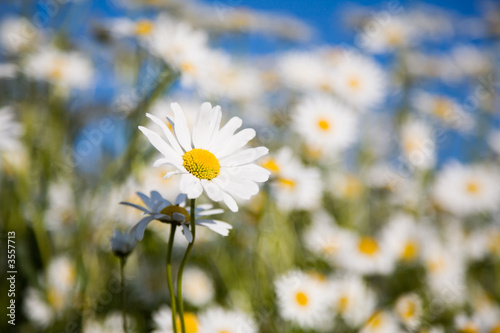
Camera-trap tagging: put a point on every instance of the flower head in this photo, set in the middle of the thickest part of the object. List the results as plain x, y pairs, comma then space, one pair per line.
209, 158
122, 243
164, 211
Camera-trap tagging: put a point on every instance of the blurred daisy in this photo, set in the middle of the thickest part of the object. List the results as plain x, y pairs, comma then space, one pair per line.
111, 324
122, 243
403, 237
382, 35
304, 71
65, 69
346, 186
302, 300
17, 34
464, 190
417, 143
494, 141
381, 322
162, 210
10, 130
163, 321
208, 158
293, 185
466, 324
323, 237
409, 310
353, 300
367, 255
359, 81
325, 124
60, 213
444, 109
198, 288
217, 320
125, 27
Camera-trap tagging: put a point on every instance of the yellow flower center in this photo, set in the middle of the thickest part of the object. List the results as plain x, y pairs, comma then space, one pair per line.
286, 182
201, 163
409, 310
324, 125
301, 298
190, 322
271, 165
368, 246
354, 83
376, 320
442, 108
55, 298
469, 328
343, 303
188, 67
170, 210
410, 251
496, 329
473, 187
143, 27
352, 187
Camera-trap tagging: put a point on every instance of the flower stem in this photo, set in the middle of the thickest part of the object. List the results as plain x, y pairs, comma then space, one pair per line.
122, 275
183, 264
169, 276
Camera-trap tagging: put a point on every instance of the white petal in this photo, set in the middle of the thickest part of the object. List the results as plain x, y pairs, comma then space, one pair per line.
235, 142
187, 182
138, 230
249, 171
172, 173
161, 161
200, 130
214, 126
245, 156
225, 133
242, 188
164, 148
187, 233
170, 137
212, 190
219, 227
180, 127
211, 212
230, 202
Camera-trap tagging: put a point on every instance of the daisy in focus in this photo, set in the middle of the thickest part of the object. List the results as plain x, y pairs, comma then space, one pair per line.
162, 210
209, 158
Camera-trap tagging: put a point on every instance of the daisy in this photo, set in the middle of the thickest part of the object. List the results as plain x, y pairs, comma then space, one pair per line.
418, 145
198, 287
466, 324
381, 35
60, 212
210, 158
323, 237
111, 324
303, 300
217, 320
10, 130
409, 310
359, 81
381, 322
122, 243
464, 190
65, 69
163, 321
162, 210
304, 71
402, 236
325, 124
346, 186
353, 300
17, 34
125, 27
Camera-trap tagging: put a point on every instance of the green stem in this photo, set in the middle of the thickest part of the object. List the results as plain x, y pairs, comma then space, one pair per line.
183, 264
122, 275
169, 276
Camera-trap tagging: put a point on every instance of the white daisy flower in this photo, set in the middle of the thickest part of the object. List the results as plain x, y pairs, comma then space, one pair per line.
163, 321
111, 324
208, 158
464, 190
125, 27
346, 186
359, 81
304, 71
61, 274
198, 287
17, 34
10, 130
65, 69
60, 212
36, 309
216, 320
323, 237
403, 237
162, 210
381, 35
303, 300
325, 124
418, 145
381, 322
409, 310
367, 255
466, 324
353, 300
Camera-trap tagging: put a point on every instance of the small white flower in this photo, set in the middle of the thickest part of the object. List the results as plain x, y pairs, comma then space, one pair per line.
10, 130
409, 310
381, 322
216, 320
417, 143
198, 288
210, 159
163, 321
162, 210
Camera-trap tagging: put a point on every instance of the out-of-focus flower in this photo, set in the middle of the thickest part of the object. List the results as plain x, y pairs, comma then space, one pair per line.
494, 141
381, 322
17, 34
323, 237
471, 60
353, 300
10, 130
8, 70
293, 185
122, 243
198, 288
304, 71
163, 321
359, 81
382, 35
464, 190
466, 324
346, 186
409, 310
125, 27
111, 324
67, 70
403, 237
210, 159
60, 212
325, 124
303, 300
417, 143
215, 320
162, 210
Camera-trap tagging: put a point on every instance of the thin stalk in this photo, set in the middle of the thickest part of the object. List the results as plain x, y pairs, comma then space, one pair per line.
122, 275
183, 264
169, 276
